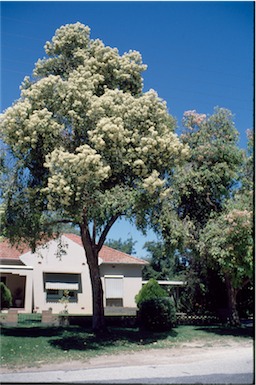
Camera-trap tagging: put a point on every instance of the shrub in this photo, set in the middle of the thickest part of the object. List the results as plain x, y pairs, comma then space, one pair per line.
158, 314
151, 290
6, 296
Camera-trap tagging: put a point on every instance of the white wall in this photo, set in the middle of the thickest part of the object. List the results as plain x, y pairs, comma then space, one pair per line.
132, 280
72, 260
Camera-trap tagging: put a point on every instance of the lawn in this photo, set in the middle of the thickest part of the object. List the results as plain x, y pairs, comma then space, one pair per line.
26, 346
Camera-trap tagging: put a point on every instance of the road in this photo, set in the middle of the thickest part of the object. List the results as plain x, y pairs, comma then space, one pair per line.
228, 366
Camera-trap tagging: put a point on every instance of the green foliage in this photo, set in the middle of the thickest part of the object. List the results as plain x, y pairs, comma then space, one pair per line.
151, 290
246, 301
205, 291
199, 188
66, 228
227, 241
161, 263
200, 191
247, 170
124, 246
203, 184
6, 296
157, 314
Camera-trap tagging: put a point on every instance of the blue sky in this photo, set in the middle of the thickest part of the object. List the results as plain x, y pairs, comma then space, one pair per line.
199, 54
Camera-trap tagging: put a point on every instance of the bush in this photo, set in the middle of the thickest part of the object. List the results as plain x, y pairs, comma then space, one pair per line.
6, 296
158, 314
151, 290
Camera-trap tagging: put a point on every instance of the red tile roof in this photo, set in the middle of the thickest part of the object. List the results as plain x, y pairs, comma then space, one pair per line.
107, 254
7, 251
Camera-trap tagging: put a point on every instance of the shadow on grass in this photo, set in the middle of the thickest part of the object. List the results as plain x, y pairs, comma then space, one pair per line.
31, 331
247, 332
112, 338
78, 338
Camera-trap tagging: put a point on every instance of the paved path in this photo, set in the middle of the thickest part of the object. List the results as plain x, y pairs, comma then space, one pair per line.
232, 366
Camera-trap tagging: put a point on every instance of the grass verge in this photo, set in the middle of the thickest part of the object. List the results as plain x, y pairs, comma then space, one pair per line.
26, 346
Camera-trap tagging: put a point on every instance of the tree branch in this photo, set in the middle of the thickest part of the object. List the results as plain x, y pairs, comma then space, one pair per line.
94, 232
85, 233
106, 230
208, 200
246, 281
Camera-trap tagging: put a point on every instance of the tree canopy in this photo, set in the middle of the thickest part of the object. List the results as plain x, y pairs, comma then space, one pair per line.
210, 174
85, 135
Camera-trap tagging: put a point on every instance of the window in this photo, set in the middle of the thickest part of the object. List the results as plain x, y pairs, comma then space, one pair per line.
114, 290
58, 285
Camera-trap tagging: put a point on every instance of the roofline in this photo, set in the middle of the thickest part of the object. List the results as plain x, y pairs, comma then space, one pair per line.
126, 254
124, 263
15, 267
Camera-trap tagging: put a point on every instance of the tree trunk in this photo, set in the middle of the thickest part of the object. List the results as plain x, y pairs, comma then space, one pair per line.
232, 305
91, 251
98, 320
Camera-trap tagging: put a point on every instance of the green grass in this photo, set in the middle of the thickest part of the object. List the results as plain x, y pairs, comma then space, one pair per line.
36, 345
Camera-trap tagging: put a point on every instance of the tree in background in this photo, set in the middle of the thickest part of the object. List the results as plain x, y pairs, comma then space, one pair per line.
227, 240
160, 266
163, 263
200, 188
227, 243
89, 146
209, 176
124, 246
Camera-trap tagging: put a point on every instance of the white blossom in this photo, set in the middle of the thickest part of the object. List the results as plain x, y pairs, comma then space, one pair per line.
91, 120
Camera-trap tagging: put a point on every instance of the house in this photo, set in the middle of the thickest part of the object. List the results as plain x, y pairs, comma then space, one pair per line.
38, 281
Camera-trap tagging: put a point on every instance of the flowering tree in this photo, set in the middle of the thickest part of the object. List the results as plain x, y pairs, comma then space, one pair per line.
89, 145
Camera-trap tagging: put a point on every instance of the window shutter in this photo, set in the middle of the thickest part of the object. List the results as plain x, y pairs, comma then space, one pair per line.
114, 287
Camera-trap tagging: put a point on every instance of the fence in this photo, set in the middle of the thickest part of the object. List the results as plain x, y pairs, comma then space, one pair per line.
192, 319
126, 319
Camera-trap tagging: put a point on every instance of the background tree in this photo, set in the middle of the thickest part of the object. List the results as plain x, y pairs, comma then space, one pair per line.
124, 246
227, 241
209, 176
89, 146
199, 188
164, 263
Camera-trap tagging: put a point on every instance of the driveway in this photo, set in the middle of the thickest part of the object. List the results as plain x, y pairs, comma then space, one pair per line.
188, 364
